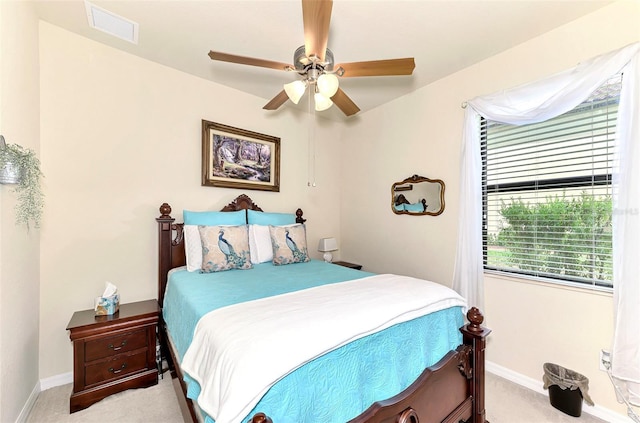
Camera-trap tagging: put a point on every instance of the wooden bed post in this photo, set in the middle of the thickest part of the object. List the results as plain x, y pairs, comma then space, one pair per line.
474, 335
165, 233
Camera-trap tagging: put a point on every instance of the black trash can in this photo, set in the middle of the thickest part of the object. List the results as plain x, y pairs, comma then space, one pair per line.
567, 389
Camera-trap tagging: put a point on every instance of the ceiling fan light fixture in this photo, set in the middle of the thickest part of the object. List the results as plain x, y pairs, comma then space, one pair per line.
328, 84
295, 90
322, 102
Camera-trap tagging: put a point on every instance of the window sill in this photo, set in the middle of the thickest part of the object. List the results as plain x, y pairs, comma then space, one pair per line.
551, 283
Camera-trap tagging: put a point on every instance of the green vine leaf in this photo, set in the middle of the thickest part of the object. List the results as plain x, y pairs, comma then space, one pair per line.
30, 202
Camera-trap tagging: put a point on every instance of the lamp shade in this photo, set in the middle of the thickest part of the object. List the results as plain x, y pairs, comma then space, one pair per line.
295, 90
322, 102
327, 244
327, 84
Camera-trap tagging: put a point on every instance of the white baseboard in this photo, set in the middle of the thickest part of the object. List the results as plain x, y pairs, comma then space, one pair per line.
58, 380
42, 385
537, 386
28, 406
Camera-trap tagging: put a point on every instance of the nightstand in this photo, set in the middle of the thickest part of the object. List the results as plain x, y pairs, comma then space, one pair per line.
113, 353
349, 265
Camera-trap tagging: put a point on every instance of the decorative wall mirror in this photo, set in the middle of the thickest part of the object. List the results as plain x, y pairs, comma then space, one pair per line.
418, 196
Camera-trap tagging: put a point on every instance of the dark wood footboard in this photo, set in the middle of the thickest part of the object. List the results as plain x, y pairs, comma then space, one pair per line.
451, 391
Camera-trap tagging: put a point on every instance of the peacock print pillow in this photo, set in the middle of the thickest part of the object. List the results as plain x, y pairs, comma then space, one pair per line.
289, 244
224, 248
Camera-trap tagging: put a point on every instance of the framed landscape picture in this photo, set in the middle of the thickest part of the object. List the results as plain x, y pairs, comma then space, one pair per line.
238, 158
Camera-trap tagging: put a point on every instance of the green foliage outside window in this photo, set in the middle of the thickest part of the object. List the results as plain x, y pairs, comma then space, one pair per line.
561, 236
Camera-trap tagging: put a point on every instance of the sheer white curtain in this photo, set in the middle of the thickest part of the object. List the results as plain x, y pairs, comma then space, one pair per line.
625, 352
539, 101
468, 275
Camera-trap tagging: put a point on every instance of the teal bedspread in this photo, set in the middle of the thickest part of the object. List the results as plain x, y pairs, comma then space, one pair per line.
337, 386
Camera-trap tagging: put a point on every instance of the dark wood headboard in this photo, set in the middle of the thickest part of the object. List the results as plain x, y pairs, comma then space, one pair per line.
171, 238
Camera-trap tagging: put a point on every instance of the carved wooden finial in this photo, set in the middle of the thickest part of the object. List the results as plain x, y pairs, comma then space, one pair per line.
260, 418
165, 211
475, 319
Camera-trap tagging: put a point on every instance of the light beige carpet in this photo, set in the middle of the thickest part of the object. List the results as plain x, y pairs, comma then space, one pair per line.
506, 402
156, 404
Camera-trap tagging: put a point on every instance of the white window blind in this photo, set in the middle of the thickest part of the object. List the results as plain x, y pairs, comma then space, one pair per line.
547, 193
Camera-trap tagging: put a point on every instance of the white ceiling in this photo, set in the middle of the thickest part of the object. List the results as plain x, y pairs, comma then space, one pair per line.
443, 36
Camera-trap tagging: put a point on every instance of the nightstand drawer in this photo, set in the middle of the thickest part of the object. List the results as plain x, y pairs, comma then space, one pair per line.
105, 347
120, 366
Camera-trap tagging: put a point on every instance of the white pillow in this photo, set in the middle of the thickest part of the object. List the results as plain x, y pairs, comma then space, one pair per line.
260, 243
192, 247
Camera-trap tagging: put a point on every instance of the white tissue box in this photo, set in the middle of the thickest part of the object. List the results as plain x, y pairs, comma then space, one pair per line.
106, 306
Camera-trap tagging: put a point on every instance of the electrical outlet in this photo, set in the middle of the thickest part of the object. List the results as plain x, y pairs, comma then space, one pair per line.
605, 360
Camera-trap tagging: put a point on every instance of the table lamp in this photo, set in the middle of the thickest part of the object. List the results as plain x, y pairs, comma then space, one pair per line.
326, 246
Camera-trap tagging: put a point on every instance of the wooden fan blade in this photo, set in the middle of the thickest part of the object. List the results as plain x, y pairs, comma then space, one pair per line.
232, 58
316, 16
378, 67
345, 104
277, 101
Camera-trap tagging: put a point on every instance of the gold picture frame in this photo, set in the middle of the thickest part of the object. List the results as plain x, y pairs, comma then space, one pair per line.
238, 158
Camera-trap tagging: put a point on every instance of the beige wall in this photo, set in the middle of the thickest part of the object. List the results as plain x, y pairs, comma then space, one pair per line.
421, 134
122, 135
19, 249
107, 126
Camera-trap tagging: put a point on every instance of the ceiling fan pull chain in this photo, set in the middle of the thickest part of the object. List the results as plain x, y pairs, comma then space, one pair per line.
311, 139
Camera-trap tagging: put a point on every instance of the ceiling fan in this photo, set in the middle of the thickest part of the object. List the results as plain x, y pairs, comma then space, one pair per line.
315, 64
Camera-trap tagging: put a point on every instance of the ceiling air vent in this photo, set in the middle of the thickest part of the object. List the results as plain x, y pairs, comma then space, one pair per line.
112, 24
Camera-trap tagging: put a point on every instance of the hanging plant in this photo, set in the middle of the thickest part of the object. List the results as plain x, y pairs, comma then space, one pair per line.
21, 166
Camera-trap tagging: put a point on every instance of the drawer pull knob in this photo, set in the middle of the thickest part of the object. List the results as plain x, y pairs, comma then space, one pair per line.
116, 371
119, 347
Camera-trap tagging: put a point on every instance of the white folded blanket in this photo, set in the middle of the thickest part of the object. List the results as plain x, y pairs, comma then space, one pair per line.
238, 352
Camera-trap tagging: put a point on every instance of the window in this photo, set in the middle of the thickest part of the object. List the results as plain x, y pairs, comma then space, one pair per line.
547, 193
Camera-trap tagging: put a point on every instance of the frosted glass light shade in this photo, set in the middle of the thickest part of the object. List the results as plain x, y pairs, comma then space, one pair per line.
322, 102
327, 84
326, 245
295, 90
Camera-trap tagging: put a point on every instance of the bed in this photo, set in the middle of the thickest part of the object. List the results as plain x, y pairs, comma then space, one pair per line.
384, 381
